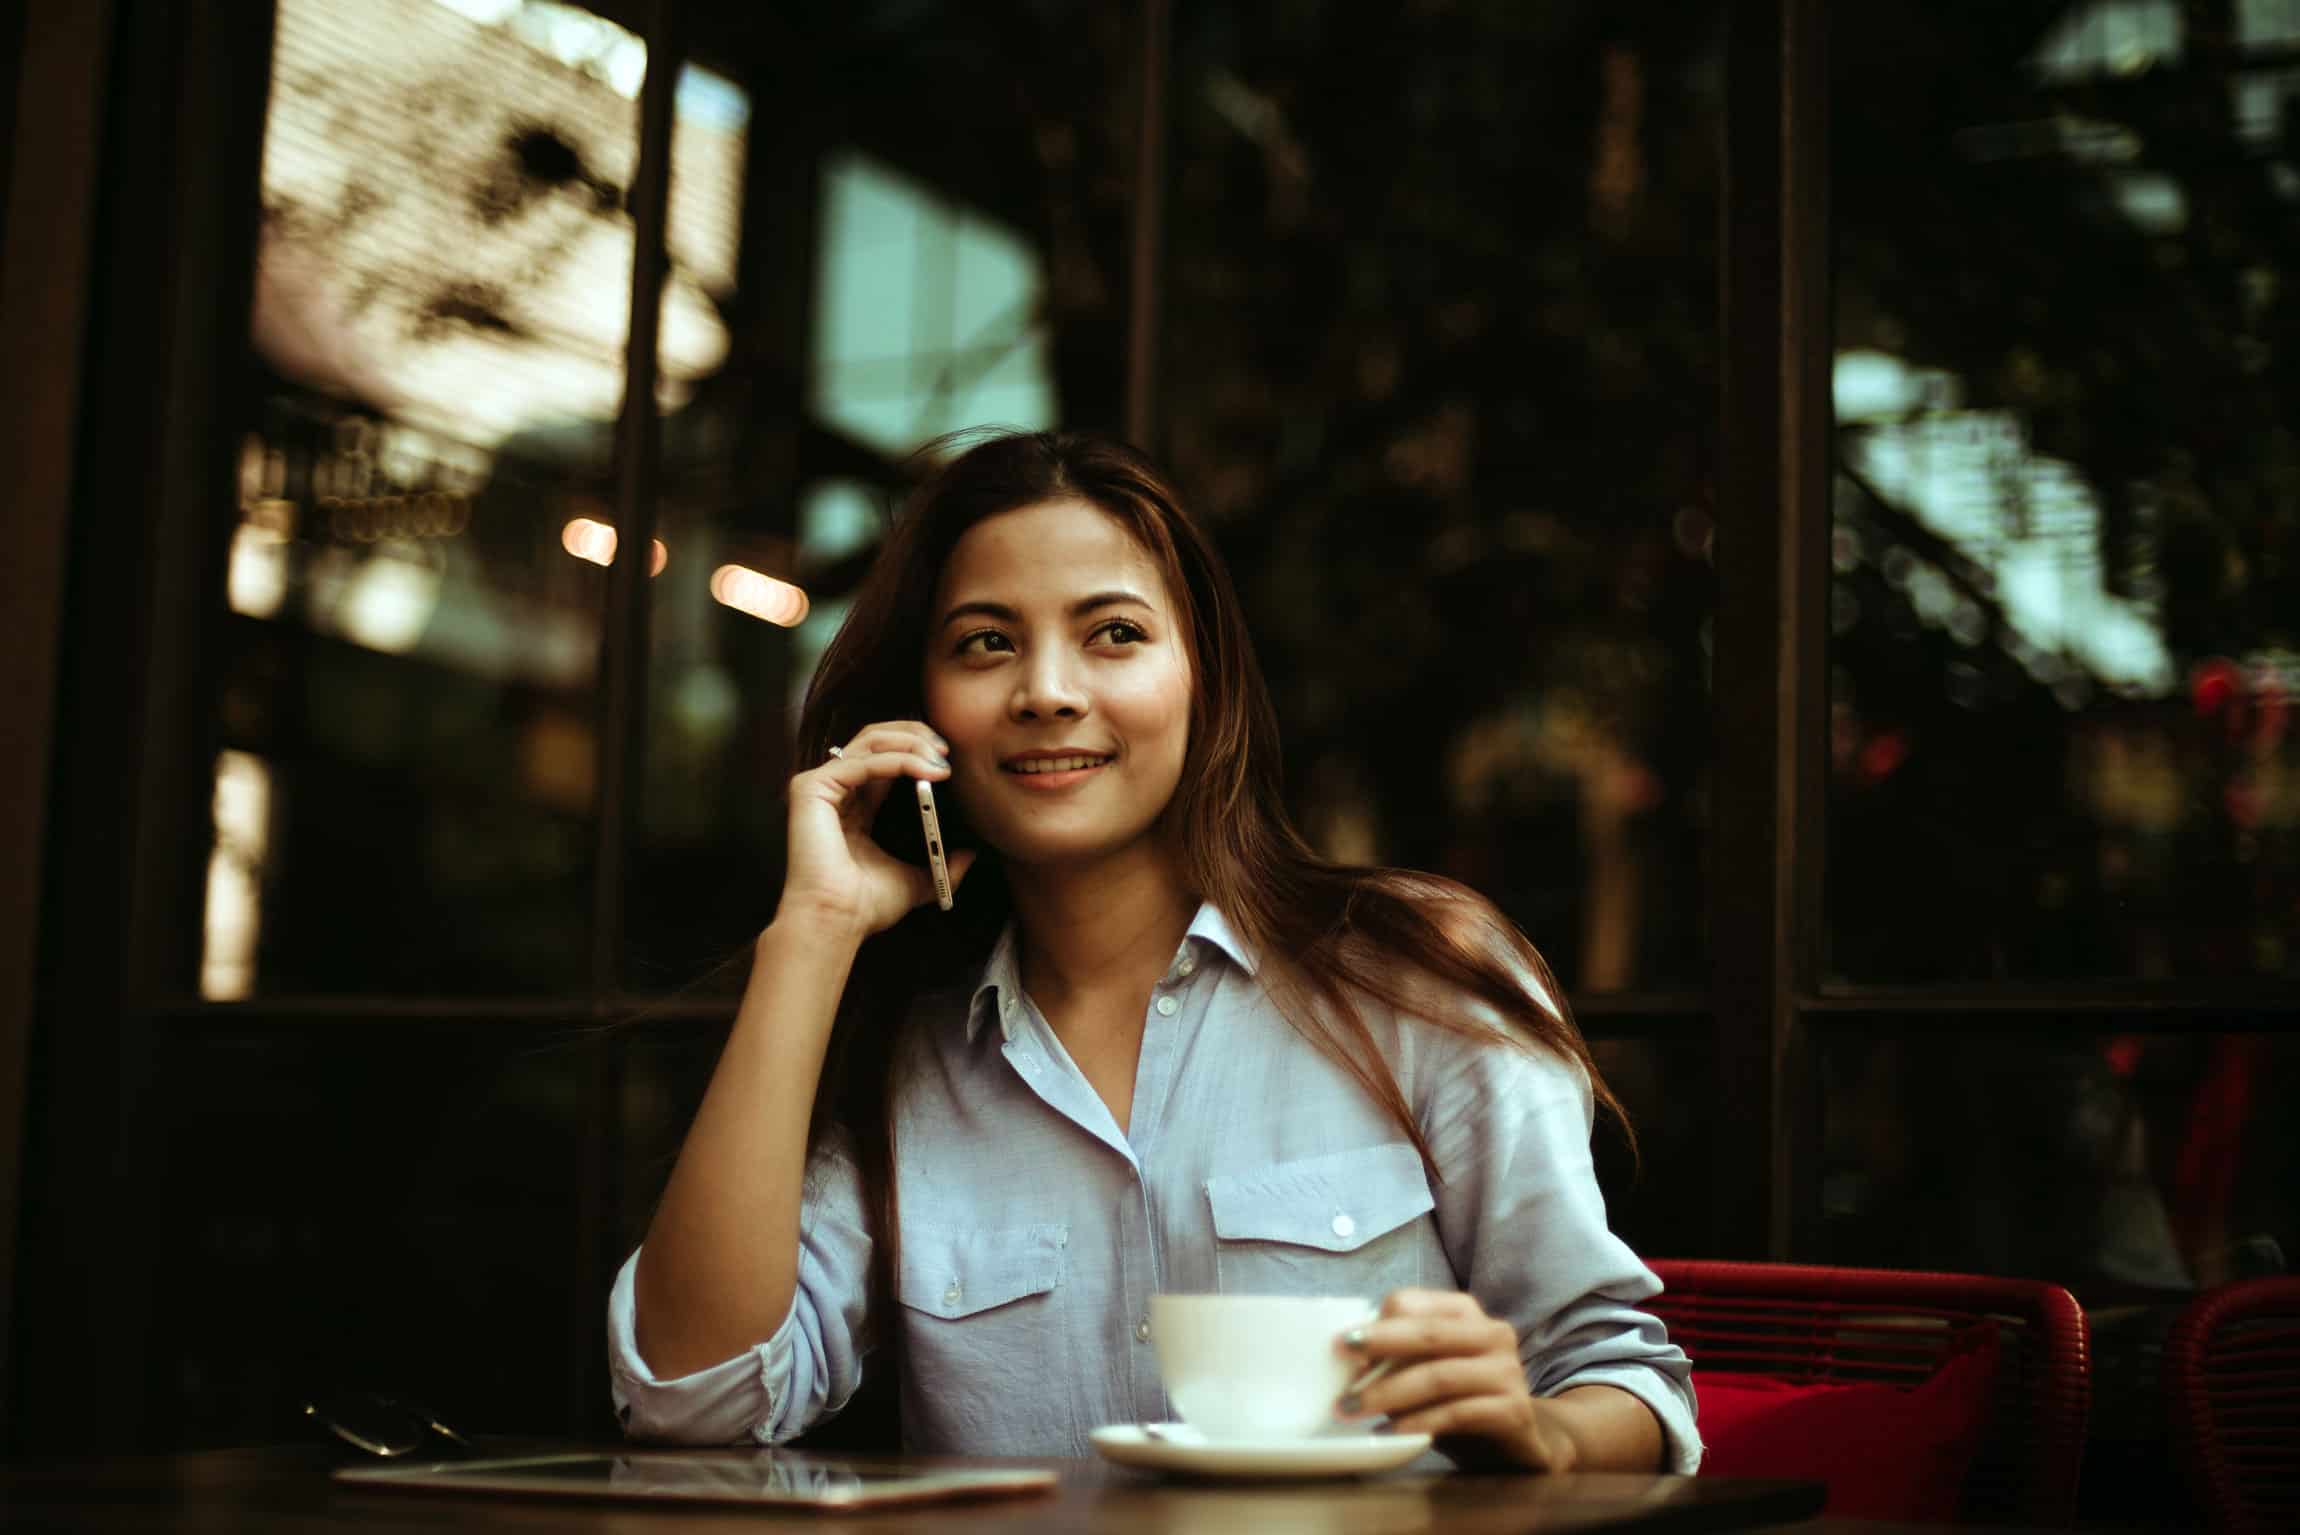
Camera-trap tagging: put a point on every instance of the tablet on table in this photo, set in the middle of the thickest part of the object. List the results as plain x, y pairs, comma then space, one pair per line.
777, 1477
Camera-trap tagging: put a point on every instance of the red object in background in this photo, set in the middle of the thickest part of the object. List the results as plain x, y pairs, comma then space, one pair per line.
2123, 1053
2212, 1146
2212, 686
1882, 754
1887, 1452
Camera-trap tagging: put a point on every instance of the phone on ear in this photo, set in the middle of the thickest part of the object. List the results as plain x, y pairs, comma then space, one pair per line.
931, 825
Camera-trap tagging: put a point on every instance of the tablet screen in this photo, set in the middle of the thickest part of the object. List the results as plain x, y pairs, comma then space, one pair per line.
718, 1476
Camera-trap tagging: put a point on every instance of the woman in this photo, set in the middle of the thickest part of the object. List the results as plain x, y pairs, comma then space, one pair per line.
1158, 1045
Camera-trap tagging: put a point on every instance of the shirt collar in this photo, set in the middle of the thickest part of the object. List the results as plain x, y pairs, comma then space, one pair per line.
1002, 976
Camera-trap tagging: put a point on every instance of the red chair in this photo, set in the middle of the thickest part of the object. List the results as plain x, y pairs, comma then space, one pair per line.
2231, 1376
1832, 1326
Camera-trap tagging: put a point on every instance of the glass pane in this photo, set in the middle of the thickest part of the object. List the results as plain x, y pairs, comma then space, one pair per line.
1658, 1198
2116, 1165
907, 222
1440, 366
386, 1208
2068, 485
405, 795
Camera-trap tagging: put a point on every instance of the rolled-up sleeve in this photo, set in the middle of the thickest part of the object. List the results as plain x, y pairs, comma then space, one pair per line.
1523, 1223
785, 1384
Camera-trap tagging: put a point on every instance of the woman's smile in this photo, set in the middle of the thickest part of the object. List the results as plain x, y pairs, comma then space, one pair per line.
1043, 771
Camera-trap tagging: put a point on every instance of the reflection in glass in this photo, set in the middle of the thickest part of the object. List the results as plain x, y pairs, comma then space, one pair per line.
2116, 1165
929, 246
1440, 367
2063, 614
444, 234
929, 316
235, 869
438, 330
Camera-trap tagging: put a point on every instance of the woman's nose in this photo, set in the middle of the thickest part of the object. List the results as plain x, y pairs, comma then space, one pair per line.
1048, 689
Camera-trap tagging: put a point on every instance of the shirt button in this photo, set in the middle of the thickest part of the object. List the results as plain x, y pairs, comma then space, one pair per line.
1142, 1331
1343, 1225
1189, 963
950, 1296
1167, 1007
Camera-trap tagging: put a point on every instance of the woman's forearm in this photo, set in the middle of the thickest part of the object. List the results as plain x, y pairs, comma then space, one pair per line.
720, 1263
1610, 1429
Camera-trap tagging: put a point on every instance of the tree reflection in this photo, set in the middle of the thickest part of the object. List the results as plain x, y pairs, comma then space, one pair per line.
1441, 365
2075, 223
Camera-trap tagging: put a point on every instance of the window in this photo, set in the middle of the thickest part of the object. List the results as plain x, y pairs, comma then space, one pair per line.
1441, 358
408, 695
2062, 646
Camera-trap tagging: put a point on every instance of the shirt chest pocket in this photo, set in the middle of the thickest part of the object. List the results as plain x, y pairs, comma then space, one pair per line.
983, 1314
1348, 1223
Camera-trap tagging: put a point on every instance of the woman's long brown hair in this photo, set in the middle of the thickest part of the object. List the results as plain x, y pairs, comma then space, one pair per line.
1345, 934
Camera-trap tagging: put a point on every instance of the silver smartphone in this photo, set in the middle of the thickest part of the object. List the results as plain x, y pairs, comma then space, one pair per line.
934, 859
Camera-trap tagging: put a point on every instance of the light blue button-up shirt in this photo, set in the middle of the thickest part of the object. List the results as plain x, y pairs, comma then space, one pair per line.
1035, 1230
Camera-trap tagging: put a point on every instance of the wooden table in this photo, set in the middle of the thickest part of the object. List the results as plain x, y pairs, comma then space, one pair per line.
285, 1489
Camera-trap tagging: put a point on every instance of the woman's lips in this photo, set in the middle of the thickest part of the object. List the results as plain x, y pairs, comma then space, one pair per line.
1059, 771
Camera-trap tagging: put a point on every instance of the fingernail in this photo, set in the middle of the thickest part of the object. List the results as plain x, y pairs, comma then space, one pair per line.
940, 762
1349, 1404
1355, 1337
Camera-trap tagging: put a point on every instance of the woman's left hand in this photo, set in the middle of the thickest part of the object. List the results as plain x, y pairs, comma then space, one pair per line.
1455, 1373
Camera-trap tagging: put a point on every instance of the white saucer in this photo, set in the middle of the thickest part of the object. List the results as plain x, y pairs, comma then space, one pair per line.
1182, 1448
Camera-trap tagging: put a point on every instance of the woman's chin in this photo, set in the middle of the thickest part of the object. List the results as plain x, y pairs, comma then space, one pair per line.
1044, 853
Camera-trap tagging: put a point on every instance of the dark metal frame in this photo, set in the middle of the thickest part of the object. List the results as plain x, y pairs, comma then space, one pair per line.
1149, 219
1772, 574
50, 95
169, 269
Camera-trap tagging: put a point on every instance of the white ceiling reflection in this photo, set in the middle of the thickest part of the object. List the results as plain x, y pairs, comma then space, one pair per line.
2027, 519
446, 240
2109, 37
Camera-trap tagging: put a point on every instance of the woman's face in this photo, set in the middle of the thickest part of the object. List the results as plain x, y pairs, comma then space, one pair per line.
1059, 673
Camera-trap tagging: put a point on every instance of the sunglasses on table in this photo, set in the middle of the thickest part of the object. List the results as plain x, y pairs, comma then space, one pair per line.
383, 1425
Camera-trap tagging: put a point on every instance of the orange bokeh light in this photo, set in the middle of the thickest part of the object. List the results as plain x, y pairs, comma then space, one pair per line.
760, 595
587, 539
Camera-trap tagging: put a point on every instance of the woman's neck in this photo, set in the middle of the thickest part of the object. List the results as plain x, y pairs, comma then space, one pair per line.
1083, 930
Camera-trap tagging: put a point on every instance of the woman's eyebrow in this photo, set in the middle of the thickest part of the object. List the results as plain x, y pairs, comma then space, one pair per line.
999, 611
1110, 599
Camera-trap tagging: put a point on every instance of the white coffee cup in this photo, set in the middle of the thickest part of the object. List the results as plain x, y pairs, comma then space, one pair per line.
1254, 1366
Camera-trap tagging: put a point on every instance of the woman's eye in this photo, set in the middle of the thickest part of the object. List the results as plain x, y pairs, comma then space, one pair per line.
984, 642
1119, 632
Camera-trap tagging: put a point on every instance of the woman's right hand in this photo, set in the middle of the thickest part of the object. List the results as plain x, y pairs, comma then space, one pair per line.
836, 871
